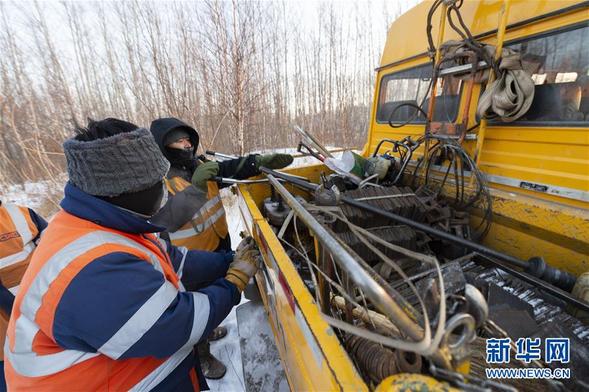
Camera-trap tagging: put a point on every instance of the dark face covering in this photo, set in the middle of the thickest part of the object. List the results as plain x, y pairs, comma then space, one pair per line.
146, 202
181, 158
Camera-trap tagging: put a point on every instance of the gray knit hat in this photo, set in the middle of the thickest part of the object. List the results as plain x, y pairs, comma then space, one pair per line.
124, 163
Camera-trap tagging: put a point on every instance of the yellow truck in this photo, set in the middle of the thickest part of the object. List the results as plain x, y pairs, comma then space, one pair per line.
527, 167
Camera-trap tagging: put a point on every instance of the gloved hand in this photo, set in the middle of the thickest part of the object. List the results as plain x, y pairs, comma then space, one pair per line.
273, 161
204, 172
245, 263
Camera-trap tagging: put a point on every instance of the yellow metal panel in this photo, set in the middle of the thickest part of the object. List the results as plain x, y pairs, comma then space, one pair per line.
413, 382
526, 222
480, 16
525, 226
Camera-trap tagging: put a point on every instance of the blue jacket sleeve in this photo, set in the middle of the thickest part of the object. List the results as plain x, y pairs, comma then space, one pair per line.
198, 268
39, 222
121, 306
6, 300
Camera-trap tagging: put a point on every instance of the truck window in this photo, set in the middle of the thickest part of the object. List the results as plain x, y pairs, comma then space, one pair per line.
560, 65
412, 86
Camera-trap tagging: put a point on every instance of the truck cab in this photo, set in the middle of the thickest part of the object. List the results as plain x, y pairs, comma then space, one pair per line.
535, 169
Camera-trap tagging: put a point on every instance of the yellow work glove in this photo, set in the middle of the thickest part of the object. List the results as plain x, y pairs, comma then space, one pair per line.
245, 263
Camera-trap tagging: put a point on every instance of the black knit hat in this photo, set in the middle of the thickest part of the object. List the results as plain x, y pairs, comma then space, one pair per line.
123, 163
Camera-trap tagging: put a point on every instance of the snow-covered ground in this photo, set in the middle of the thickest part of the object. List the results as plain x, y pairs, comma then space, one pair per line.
42, 196
228, 351
31, 194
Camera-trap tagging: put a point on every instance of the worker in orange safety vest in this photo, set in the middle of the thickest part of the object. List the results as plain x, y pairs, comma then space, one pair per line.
20, 230
103, 303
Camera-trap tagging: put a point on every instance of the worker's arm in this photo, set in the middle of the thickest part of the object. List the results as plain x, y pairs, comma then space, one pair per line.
198, 268
121, 306
39, 222
239, 168
6, 301
180, 209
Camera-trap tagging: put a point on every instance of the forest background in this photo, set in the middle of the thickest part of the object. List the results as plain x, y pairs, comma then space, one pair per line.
242, 72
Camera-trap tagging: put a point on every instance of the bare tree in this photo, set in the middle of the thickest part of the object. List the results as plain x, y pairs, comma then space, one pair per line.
242, 72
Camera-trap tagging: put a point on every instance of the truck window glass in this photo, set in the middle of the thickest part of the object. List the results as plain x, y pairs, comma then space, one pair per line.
412, 87
560, 64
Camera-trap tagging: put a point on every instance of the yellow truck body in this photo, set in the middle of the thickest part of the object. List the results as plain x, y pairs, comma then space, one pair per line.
538, 175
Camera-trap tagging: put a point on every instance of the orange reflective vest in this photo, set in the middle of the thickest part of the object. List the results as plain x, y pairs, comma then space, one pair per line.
17, 231
208, 226
34, 361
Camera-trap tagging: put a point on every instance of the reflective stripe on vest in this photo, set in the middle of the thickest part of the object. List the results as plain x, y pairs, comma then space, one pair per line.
20, 222
202, 220
24, 362
17, 257
17, 231
16, 235
208, 225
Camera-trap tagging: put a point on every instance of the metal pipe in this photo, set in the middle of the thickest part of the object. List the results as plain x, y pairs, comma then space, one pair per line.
220, 155
226, 180
314, 141
310, 151
303, 155
376, 293
491, 254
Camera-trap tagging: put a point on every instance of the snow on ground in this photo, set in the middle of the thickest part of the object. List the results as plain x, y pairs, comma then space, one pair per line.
228, 351
30, 194
42, 196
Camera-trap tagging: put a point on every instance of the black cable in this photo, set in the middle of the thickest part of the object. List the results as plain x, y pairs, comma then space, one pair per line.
453, 26
411, 104
435, 70
453, 153
429, 27
472, 128
469, 40
457, 181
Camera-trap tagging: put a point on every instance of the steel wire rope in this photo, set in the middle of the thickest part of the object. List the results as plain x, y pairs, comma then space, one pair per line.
311, 266
422, 347
442, 308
